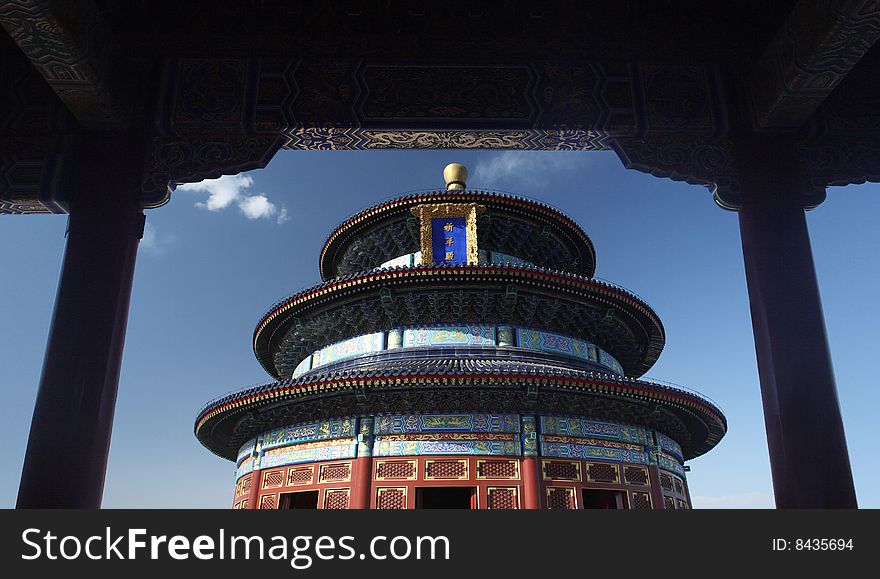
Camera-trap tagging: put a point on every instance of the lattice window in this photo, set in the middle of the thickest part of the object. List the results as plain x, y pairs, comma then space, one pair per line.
300, 476
396, 469
268, 502
505, 469
236, 506
681, 504
273, 479
335, 472
679, 486
641, 501
606, 473
562, 470
668, 502
502, 498
560, 498
391, 499
636, 476
244, 504
246, 484
666, 482
446, 469
336, 499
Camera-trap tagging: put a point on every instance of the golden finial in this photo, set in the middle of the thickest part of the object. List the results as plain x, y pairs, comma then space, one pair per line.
455, 176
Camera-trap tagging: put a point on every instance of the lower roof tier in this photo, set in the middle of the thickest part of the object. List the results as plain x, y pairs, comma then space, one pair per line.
447, 439
614, 319
456, 384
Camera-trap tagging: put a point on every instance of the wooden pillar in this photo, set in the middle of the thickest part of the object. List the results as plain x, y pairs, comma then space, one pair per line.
69, 440
656, 489
808, 453
531, 464
253, 495
531, 467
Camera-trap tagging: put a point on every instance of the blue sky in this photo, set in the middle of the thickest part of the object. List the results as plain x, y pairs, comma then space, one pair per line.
218, 255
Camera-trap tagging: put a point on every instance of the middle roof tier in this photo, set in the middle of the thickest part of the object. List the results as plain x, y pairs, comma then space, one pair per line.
608, 316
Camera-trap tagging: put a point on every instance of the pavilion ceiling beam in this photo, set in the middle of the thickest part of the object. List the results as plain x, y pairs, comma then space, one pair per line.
71, 46
818, 44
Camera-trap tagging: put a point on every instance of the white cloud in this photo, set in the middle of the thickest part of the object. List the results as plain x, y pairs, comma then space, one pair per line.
257, 206
221, 192
232, 189
153, 243
750, 500
524, 167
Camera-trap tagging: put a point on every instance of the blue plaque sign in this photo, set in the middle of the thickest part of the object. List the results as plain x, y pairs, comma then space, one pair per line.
449, 240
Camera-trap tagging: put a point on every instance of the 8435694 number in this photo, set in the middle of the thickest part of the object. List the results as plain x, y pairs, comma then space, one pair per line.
823, 545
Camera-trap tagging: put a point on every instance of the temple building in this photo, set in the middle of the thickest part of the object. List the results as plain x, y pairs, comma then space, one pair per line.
459, 353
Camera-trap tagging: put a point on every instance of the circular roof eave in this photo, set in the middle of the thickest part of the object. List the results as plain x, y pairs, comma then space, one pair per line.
213, 429
280, 316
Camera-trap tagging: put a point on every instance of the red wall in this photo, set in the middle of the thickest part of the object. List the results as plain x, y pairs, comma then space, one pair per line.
500, 482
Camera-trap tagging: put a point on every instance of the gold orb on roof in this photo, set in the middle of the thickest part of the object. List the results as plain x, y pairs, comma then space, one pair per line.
455, 175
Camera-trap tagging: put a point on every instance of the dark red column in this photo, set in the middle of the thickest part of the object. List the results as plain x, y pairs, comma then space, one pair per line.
69, 438
531, 482
656, 489
808, 453
253, 496
361, 482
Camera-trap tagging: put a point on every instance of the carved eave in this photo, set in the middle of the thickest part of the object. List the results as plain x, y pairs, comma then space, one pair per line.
71, 45
816, 47
697, 424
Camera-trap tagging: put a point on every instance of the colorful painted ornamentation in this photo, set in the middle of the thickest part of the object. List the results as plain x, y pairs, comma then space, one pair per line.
298, 433
666, 462
246, 450
559, 344
308, 452
384, 447
244, 468
402, 424
347, 348
365, 440
529, 436
610, 361
669, 446
449, 336
549, 342
567, 426
593, 452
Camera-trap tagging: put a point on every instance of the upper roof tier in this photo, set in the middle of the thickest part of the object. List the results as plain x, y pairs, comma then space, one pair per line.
528, 229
